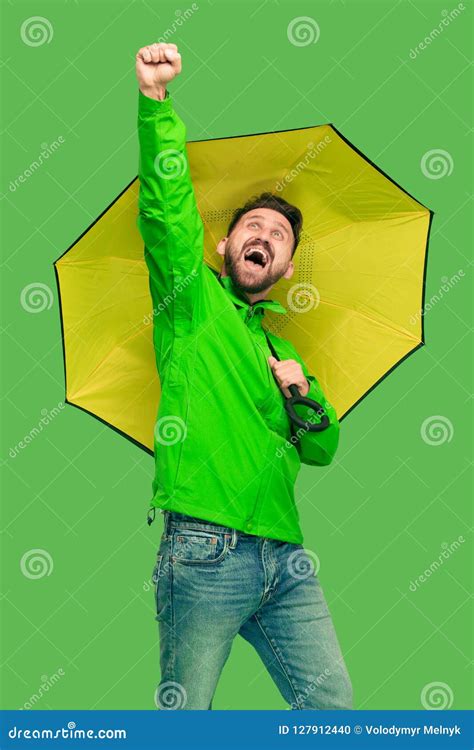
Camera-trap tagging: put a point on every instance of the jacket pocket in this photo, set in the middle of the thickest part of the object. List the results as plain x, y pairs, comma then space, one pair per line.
173, 375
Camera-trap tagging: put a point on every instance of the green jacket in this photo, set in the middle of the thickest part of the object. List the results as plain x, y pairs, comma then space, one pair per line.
225, 450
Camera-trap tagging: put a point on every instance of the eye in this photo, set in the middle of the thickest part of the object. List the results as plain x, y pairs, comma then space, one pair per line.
253, 224
277, 231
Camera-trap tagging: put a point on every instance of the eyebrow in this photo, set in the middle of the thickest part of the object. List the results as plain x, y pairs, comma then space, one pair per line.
259, 216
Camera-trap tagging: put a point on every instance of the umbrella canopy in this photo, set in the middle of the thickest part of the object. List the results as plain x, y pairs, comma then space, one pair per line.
354, 304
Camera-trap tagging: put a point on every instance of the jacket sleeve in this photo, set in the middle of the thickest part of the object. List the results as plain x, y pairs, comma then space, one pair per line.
168, 218
316, 448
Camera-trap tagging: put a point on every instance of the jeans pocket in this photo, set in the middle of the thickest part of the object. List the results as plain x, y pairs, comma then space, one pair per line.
195, 547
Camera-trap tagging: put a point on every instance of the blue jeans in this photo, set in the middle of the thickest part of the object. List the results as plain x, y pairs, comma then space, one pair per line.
212, 583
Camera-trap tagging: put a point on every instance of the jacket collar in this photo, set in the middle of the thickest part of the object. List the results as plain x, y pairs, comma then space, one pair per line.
239, 298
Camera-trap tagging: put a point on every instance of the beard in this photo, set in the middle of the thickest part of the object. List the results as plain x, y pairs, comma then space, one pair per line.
245, 279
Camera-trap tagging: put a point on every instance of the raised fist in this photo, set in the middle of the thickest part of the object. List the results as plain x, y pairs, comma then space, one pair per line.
157, 65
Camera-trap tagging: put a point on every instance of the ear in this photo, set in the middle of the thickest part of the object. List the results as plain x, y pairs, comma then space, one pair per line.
289, 271
221, 246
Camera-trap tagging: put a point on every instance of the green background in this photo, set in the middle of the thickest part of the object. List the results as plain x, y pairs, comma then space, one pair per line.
379, 515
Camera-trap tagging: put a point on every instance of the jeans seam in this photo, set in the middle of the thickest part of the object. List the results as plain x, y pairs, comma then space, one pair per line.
172, 623
280, 662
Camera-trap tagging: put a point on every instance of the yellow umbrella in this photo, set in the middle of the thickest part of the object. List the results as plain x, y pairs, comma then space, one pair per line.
354, 302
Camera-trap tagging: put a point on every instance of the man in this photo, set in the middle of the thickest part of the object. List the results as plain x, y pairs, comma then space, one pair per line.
230, 559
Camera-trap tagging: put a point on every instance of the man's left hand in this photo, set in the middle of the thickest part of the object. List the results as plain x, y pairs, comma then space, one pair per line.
289, 372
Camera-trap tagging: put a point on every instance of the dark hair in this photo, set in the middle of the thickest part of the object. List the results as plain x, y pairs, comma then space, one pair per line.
275, 202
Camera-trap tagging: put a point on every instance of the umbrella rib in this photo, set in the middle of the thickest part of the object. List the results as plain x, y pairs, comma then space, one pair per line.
96, 259
387, 217
322, 302
372, 320
107, 356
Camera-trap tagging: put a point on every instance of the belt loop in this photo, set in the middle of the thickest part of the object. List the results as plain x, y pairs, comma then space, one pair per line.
233, 542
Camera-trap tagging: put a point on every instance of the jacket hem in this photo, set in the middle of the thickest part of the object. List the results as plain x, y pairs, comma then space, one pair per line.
224, 519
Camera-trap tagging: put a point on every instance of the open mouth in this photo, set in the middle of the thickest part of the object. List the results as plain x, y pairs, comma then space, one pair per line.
256, 257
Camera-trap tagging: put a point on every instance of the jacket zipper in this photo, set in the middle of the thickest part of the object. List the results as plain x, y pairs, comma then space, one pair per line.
250, 312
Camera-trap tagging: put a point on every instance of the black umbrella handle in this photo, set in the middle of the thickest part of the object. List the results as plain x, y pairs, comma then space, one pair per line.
297, 398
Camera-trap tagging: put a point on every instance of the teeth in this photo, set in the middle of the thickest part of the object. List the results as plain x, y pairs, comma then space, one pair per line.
257, 250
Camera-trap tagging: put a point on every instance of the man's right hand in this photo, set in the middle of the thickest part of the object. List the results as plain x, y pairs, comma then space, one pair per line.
157, 65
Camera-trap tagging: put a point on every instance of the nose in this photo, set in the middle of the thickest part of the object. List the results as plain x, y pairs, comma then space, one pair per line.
264, 237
